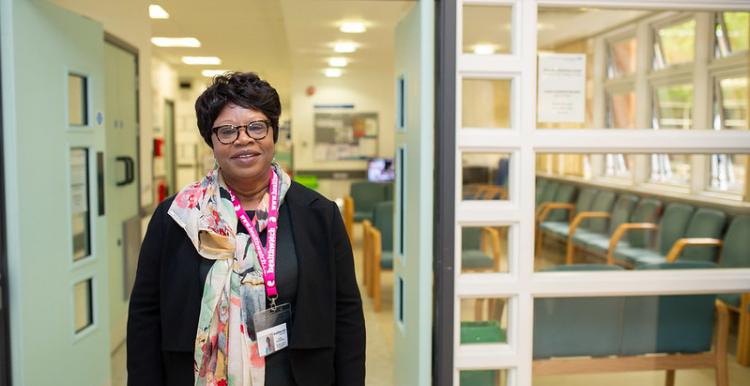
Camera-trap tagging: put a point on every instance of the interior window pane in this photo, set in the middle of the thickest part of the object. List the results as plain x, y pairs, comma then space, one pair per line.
485, 103
83, 303
622, 110
622, 56
728, 173
675, 44
732, 30
674, 106
734, 103
670, 169
487, 29
483, 377
79, 202
485, 176
593, 341
77, 100
484, 249
483, 320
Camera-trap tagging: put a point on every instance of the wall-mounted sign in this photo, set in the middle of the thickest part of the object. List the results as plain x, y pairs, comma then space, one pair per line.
345, 136
562, 88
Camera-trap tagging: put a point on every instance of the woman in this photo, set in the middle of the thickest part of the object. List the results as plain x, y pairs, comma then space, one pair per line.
242, 252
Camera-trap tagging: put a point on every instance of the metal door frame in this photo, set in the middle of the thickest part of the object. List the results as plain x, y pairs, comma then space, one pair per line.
5, 365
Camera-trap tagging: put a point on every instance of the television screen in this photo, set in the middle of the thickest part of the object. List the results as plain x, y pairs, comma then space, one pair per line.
381, 170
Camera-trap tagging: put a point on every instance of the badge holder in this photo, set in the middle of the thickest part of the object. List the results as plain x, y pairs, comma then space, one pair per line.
271, 328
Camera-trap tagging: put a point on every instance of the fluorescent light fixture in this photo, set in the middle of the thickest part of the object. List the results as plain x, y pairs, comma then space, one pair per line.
201, 60
338, 62
353, 27
345, 47
175, 42
157, 12
212, 73
333, 72
484, 49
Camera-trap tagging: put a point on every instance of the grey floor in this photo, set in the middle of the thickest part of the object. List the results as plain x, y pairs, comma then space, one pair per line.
380, 350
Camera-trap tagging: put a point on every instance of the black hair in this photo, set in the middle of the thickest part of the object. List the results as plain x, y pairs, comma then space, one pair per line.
244, 89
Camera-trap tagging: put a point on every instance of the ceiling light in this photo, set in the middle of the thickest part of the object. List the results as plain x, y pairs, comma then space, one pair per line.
353, 27
201, 60
484, 49
175, 42
157, 12
338, 62
333, 72
212, 73
345, 47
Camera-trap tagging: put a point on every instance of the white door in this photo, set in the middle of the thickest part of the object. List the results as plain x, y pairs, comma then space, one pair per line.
53, 86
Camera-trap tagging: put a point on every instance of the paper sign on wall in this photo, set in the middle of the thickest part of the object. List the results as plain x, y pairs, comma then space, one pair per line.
562, 88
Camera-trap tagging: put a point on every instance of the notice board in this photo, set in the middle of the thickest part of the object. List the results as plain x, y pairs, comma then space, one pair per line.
345, 135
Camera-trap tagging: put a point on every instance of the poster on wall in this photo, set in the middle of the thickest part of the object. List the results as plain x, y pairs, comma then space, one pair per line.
562, 88
345, 136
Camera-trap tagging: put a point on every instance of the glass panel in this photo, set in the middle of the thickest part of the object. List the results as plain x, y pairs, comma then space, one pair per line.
84, 306
674, 44
401, 103
483, 320
485, 103
484, 249
673, 107
728, 172
731, 32
616, 165
77, 100
485, 176
483, 377
79, 202
733, 94
487, 29
621, 114
581, 341
580, 220
622, 58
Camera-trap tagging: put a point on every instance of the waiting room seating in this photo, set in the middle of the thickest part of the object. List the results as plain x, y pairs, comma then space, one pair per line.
593, 221
617, 334
380, 243
598, 242
553, 217
480, 249
363, 196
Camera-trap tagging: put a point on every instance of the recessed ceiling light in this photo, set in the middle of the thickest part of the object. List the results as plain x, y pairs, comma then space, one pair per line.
157, 12
333, 72
345, 47
212, 73
353, 27
204, 60
175, 42
484, 49
338, 62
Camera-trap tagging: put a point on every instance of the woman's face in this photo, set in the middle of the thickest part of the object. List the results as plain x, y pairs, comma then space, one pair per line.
246, 159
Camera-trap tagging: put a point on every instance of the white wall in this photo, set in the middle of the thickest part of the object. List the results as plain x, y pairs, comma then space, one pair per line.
369, 90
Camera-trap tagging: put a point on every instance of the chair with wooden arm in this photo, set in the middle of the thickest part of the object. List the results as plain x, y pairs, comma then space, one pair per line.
593, 220
480, 249
735, 253
381, 245
554, 217
348, 216
367, 252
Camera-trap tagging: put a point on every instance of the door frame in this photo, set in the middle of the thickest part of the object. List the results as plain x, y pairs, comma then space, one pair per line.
5, 364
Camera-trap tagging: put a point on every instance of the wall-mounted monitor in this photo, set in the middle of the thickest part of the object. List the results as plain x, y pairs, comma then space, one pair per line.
381, 170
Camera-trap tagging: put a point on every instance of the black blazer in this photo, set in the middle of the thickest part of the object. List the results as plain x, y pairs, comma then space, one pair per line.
327, 337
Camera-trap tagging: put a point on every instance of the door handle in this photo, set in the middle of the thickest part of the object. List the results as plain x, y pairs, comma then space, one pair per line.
129, 170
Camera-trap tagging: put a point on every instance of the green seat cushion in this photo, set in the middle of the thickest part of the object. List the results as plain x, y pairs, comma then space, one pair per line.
599, 243
650, 260
476, 259
386, 260
484, 331
585, 237
555, 227
635, 255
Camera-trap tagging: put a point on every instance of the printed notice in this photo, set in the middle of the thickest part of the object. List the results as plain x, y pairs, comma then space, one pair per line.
562, 88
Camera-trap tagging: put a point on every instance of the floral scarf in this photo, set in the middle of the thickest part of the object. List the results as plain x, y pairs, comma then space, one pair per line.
226, 352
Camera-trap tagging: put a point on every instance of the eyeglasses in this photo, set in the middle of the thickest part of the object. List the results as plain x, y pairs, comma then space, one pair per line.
256, 130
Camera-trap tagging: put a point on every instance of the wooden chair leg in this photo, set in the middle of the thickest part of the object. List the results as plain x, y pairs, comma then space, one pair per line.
720, 350
670, 378
743, 332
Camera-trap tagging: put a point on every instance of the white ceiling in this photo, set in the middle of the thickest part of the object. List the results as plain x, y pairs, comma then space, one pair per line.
273, 37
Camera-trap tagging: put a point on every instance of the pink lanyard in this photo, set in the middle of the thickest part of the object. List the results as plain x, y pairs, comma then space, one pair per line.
266, 258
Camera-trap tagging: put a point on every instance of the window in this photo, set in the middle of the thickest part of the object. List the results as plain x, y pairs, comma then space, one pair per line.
486, 103
77, 100
487, 29
727, 171
673, 106
83, 305
731, 33
621, 58
674, 44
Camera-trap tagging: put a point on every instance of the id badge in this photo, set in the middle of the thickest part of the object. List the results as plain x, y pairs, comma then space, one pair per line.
271, 328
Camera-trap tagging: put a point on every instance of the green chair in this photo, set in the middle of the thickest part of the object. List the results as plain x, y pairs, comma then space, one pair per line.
735, 253
598, 243
569, 327
671, 227
594, 221
541, 183
366, 195
381, 242
548, 192
559, 227
480, 249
